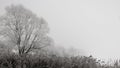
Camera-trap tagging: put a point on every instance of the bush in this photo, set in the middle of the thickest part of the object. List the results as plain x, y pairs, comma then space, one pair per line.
53, 61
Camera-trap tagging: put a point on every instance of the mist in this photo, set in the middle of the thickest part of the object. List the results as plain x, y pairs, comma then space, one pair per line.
90, 26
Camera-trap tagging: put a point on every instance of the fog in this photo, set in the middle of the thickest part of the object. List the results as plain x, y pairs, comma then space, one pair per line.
90, 26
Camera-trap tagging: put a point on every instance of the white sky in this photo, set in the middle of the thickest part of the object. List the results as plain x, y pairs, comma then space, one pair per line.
91, 25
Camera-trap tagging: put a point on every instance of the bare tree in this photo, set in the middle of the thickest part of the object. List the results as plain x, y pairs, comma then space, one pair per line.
24, 29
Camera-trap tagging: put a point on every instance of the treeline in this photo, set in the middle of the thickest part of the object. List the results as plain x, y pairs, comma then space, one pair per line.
51, 61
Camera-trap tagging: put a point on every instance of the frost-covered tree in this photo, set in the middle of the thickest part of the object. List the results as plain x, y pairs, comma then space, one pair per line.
24, 30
